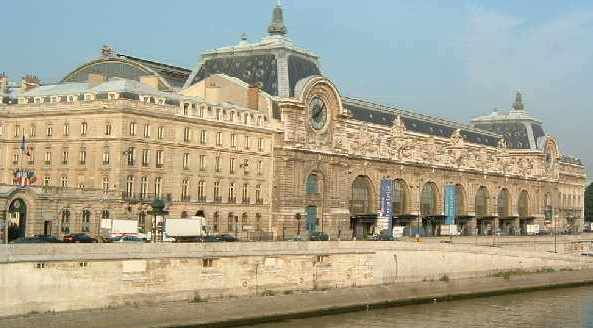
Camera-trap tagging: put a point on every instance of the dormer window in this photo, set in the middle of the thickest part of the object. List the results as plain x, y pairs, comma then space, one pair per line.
112, 95
162, 101
38, 100
186, 109
54, 99
89, 97
71, 99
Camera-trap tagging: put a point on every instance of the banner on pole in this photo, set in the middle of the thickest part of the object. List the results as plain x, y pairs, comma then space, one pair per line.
450, 203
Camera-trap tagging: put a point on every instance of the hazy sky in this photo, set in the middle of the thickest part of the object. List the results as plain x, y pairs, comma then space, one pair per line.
455, 59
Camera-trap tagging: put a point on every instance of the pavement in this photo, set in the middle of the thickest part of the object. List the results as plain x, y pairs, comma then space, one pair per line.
250, 310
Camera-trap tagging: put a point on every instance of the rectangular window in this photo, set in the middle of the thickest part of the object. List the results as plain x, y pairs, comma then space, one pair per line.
108, 129
203, 136
17, 131
133, 128
64, 182
160, 132
46, 181
186, 161
131, 153
158, 187
66, 130
186, 135
82, 157
202, 162
106, 157
143, 187
246, 142
233, 140
50, 131
217, 164
245, 194
145, 157
201, 191
219, 138
47, 157
217, 197
232, 166
65, 156
83, 128
159, 158
33, 131
146, 131
260, 165
260, 144
130, 186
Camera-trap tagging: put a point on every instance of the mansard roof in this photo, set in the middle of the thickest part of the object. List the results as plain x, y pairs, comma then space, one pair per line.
371, 112
132, 68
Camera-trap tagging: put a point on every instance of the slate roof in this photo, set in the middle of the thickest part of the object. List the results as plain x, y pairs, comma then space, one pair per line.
519, 129
367, 111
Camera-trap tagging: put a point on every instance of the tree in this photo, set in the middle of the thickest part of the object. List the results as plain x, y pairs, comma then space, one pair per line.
589, 203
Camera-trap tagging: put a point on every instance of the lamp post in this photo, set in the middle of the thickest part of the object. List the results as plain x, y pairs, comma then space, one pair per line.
158, 206
298, 218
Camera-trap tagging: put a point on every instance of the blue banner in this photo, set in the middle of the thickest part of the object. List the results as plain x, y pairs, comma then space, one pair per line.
386, 198
450, 203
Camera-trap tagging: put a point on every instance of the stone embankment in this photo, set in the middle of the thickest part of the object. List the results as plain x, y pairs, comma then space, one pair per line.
246, 281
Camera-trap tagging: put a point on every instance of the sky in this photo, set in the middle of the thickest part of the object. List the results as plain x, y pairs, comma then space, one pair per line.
453, 59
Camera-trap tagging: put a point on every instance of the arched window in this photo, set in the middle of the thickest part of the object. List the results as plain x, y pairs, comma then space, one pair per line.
312, 186
482, 202
86, 221
65, 221
523, 204
400, 196
361, 196
428, 199
503, 203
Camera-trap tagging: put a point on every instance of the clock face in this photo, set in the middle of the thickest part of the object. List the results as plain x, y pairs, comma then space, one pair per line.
318, 112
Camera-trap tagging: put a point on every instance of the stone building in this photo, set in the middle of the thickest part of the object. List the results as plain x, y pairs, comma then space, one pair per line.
259, 141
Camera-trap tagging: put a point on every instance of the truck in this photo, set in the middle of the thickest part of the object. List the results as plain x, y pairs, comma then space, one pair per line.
117, 227
186, 229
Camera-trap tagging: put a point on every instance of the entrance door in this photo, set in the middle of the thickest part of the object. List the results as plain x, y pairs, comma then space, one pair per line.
311, 218
47, 228
17, 216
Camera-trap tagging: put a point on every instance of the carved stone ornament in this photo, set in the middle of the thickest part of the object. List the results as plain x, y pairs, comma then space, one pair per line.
456, 139
398, 129
502, 143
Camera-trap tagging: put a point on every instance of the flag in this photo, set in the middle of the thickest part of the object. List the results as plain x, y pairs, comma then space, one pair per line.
24, 149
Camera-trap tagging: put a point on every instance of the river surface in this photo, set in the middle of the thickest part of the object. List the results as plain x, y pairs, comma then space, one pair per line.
571, 307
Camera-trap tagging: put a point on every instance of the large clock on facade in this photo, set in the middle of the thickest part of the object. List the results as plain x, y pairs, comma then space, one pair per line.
318, 112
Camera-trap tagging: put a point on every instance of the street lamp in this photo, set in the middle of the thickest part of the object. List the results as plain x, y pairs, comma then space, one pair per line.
158, 209
298, 218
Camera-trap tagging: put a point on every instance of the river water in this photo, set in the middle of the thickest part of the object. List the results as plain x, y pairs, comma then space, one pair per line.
571, 307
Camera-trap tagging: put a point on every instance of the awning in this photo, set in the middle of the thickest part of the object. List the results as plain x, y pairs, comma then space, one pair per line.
464, 217
509, 218
490, 217
405, 217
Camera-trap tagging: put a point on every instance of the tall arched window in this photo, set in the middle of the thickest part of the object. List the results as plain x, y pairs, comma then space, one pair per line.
503, 204
361, 196
482, 202
523, 204
312, 186
215, 222
400, 196
428, 199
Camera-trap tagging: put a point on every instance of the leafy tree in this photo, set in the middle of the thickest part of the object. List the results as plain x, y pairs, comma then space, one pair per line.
589, 203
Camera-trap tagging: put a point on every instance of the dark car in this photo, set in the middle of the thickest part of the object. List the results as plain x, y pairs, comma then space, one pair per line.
37, 239
319, 236
79, 238
227, 237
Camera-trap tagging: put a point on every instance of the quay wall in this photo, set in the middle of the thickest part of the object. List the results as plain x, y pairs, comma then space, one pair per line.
54, 278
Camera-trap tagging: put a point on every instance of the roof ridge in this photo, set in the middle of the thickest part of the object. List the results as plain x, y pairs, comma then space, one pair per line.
151, 61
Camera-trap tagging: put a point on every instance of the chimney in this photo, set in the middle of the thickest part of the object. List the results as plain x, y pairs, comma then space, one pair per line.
150, 80
29, 82
95, 79
253, 96
3, 83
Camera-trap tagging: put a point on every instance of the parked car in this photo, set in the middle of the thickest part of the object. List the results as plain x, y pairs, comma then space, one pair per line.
37, 239
227, 237
79, 238
319, 236
127, 239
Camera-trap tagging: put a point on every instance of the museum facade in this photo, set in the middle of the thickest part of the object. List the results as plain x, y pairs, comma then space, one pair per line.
262, 144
